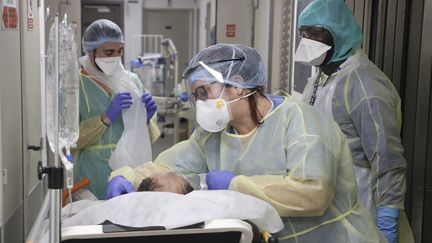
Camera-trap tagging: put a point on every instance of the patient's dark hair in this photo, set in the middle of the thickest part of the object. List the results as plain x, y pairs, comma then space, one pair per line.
148, 185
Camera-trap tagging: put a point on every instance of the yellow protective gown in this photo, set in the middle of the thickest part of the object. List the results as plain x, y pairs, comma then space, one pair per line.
365, 104
97, 141
298, 161
363, 101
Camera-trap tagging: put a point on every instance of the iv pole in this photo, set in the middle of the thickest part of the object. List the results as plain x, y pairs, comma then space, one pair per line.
54, 173
52, 200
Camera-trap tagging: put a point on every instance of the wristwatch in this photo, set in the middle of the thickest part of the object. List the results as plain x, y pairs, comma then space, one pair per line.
105, 120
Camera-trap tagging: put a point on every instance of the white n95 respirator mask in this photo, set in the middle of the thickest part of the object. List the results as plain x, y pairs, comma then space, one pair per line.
110, 65
311, 52
213, 114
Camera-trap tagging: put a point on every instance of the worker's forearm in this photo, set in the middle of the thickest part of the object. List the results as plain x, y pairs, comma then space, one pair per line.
288, 196
90, 131
153, 130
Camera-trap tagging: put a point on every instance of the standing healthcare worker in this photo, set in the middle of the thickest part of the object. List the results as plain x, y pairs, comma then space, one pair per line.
365, 104
270, 147
100, 108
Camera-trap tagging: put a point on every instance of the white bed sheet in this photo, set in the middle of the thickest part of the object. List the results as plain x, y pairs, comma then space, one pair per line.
171, 210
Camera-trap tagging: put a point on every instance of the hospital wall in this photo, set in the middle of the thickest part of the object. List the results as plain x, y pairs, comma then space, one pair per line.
413, 76
15, 43
21, 193
396, 36
254, 27
133, 25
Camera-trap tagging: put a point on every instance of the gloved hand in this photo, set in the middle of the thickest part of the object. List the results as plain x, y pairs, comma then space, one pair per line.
184, 96
219, 180
387, 221
150, 104
121, 101
117, 186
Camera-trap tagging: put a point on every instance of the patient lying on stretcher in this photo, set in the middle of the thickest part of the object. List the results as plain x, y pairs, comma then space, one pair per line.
170, 210
165, 182
172, 182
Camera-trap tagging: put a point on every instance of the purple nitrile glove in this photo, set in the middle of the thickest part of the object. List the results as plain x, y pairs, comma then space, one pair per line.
150, 104
117, 186
184, 96
121, 101
219, 180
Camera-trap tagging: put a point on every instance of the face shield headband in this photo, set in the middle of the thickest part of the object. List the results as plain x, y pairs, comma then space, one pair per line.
190, 70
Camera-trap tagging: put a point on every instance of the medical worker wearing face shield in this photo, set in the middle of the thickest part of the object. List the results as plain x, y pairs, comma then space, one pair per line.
100, 107
365, 104
267, 146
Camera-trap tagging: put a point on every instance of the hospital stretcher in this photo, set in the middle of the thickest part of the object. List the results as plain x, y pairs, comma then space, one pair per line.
217, 230
221, 230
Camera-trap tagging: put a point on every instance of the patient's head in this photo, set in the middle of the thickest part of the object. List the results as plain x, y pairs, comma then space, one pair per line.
166, 182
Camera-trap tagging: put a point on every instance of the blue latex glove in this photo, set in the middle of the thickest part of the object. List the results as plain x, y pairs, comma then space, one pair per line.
219, 180
121, 101
387, 221
117, 186
150, 104
184, 96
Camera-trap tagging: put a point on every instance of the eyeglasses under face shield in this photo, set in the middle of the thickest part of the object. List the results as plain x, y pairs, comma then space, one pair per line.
206, 90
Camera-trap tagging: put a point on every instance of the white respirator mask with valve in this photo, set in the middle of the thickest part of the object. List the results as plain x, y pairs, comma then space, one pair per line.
213, 114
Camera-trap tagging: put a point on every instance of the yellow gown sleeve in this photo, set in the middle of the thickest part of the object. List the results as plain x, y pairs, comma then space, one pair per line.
90, 131
154, 131
289, 196
312, 160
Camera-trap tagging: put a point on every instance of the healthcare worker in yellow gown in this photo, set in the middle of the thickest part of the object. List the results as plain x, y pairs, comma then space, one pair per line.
100, 108
270, 147
364, 103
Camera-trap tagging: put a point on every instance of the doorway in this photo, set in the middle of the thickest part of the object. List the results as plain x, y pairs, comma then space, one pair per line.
94, 10
176, 25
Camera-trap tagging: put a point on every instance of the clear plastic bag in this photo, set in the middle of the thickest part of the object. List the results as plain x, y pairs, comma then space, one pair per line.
68, 87
134, 146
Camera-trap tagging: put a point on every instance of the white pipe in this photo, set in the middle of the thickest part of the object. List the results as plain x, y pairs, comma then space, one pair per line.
42, 57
